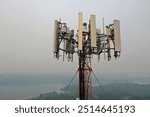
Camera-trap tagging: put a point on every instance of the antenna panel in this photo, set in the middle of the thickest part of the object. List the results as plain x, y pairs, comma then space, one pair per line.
117, 35
93, 30
56, 37
80, 28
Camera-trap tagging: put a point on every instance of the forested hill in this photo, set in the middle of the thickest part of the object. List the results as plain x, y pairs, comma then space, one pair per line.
114, 91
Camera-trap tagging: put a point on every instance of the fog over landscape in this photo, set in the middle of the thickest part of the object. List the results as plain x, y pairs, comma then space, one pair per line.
42, 86
27, 66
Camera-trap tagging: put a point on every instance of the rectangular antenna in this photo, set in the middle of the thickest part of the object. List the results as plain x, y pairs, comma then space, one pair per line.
93, 30
80, 29
117, 35
56, 37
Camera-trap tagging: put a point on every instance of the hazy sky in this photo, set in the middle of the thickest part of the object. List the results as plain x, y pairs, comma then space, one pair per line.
26, 34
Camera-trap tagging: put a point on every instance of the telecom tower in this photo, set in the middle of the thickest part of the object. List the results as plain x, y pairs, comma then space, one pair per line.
88, 41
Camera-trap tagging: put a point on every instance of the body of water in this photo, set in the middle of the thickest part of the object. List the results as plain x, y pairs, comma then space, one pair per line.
26, 86
20, 92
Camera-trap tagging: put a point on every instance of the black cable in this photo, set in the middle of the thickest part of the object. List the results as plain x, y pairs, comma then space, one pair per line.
72, 79
97, 80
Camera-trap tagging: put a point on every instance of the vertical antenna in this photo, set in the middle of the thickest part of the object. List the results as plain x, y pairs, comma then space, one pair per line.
93, 30
80, 29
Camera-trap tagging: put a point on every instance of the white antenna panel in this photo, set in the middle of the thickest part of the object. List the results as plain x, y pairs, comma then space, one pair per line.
80, 28
93, 30
56, 37
117, 35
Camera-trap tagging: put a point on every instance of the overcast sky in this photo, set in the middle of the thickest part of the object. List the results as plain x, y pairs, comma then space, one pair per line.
26, 34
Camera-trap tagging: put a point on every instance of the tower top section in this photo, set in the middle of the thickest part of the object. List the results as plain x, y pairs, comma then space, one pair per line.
89, 39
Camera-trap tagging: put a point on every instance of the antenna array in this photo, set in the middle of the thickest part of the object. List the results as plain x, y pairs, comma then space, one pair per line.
88, 41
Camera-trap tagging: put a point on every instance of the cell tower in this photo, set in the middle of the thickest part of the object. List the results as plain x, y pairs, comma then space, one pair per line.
88, 41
